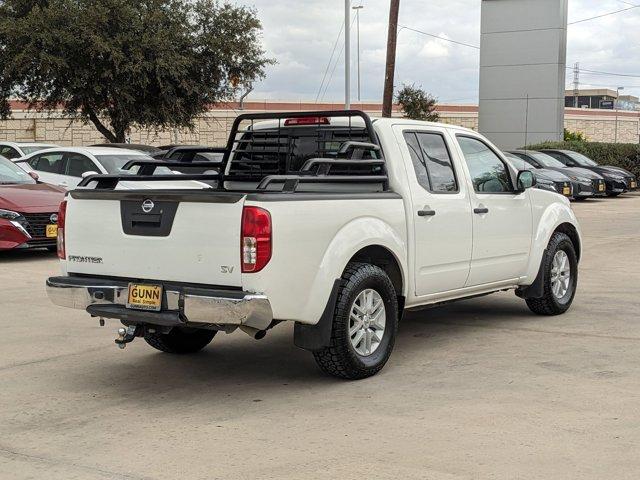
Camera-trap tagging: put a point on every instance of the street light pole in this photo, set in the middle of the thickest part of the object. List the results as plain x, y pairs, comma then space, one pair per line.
357, 9
347, 54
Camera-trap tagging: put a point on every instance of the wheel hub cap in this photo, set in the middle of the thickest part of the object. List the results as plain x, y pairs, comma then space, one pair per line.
367, 321
560, 274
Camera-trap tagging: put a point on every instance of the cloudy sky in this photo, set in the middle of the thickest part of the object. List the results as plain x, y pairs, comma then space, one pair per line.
300, 35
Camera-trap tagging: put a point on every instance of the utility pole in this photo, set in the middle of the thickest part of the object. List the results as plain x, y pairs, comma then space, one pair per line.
347, 54
576, 84
392, 39
616, 105
357, 9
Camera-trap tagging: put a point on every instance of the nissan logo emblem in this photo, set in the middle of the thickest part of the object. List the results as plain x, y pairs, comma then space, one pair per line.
147, 206
54, 218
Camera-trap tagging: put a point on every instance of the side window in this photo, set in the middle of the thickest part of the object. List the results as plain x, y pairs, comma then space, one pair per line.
561, 158
47, 162
432, 162
488, 172
438, 162
78, 164
416, 158
9, 152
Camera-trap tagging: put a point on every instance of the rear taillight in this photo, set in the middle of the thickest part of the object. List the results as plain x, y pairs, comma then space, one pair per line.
255, 240
62, 214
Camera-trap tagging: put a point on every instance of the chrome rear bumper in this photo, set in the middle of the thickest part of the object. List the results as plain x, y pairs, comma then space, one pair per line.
181, 305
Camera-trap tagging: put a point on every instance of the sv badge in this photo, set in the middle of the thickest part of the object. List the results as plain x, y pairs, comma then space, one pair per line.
225, 269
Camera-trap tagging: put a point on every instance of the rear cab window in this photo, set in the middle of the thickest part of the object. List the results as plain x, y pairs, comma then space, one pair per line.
284, 151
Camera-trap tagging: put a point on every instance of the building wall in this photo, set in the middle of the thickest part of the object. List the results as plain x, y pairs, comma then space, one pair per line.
522, 70
213, 128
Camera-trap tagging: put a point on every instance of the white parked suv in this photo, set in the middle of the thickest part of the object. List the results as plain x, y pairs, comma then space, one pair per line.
66, 166
15, 150
326, 219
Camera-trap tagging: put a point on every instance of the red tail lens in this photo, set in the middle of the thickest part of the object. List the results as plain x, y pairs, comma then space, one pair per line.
306, 121
255, 241
62, 215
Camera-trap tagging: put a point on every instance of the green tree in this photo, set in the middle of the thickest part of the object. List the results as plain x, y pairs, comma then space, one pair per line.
417, 104
121, 63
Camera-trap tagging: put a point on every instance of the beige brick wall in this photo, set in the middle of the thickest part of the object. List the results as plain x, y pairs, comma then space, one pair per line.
213, 128
604, 130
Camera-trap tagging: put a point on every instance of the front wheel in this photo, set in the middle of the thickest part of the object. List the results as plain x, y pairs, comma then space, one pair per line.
180, 340
560, 264
365, 324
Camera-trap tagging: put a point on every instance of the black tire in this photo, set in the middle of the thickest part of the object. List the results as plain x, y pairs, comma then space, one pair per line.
340, 358
180, 341
549, 304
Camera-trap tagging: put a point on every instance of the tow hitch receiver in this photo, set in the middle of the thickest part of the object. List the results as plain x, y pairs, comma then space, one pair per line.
127, 335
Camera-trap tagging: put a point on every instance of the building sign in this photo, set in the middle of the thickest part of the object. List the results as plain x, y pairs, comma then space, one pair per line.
606, 104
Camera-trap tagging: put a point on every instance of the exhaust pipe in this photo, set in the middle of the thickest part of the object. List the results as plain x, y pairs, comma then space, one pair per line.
253, 332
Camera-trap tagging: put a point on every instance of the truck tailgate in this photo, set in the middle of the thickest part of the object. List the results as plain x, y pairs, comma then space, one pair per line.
181, 237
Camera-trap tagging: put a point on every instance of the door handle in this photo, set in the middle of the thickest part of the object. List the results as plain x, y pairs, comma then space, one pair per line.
426, 213
480, 211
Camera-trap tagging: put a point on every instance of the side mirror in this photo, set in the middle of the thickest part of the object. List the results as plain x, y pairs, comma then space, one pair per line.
89, 173
526, 179
34, 175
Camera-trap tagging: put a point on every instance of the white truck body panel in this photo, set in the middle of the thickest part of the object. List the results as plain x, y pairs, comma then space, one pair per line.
453, 254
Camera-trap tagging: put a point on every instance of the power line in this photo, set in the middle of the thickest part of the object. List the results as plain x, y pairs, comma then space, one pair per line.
439, 37
326, 70
610, 74
605, 14
335, 65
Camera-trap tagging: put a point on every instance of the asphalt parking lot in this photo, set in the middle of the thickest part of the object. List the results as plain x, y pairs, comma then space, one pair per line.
478, 389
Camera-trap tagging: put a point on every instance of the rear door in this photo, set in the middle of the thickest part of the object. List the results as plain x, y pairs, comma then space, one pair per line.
441, 210
502, 219
50, 168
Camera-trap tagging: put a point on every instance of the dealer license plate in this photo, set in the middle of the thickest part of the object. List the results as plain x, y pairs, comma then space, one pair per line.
634, 184
566, 191
52, 231
145, 297
601, 187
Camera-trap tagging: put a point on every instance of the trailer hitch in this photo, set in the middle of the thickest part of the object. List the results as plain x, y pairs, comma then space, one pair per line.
127, 335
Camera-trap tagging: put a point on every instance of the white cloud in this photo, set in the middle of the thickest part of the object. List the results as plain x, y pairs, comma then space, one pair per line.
300, 34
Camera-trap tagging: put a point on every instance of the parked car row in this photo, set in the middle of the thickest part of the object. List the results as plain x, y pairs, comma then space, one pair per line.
35, 176
572, 174
30, 195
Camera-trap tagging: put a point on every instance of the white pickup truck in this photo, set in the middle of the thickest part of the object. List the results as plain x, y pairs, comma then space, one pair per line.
326, 219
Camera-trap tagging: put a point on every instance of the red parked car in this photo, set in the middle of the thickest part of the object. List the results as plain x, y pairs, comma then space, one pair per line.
28, 209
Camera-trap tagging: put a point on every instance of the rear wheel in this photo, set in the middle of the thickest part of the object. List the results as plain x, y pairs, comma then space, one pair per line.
560, 264
180, 340
365, 323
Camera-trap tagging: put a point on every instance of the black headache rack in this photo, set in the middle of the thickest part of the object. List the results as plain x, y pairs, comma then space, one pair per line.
300, 148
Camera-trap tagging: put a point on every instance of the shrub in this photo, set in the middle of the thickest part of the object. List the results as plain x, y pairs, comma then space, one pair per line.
573, 136
623, 155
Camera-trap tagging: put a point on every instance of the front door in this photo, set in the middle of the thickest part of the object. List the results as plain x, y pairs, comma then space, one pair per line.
441, 211
502, 218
